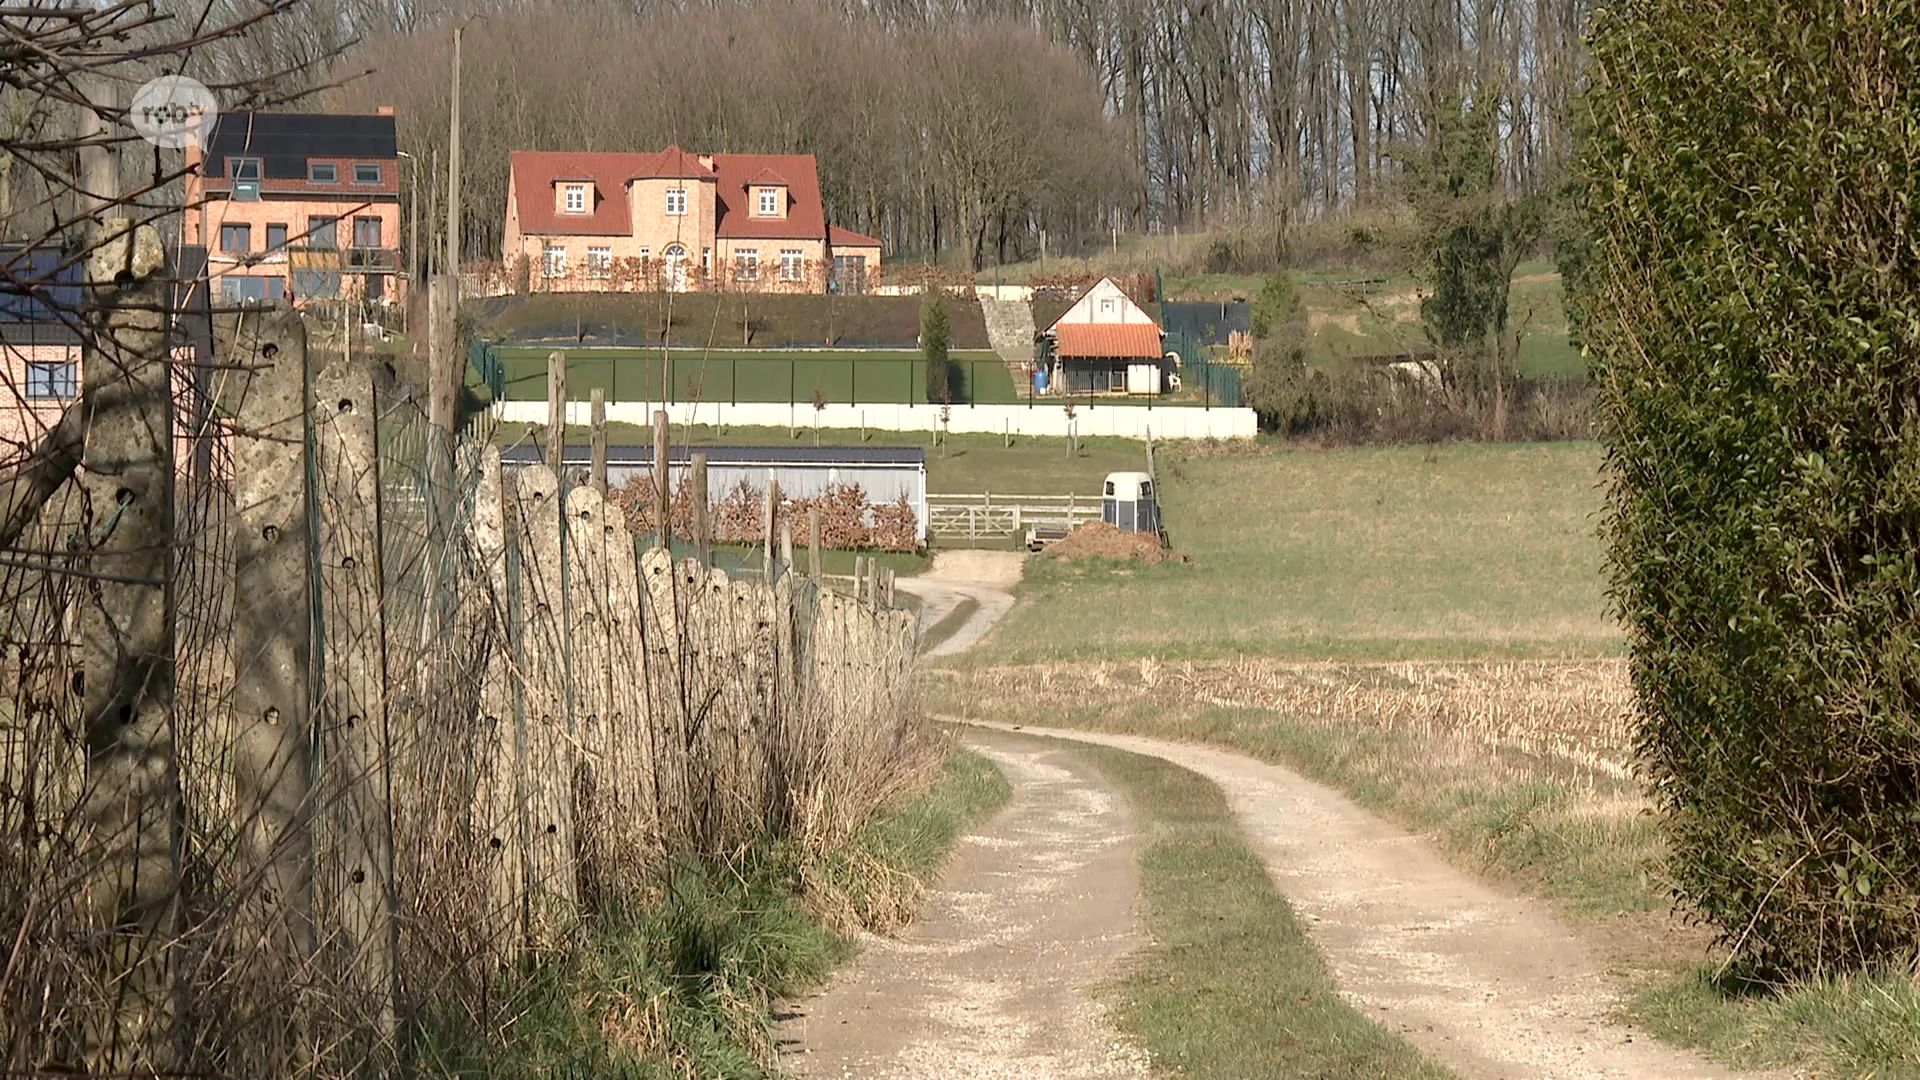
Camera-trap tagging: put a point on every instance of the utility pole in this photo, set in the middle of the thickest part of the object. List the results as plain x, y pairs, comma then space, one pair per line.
413, 243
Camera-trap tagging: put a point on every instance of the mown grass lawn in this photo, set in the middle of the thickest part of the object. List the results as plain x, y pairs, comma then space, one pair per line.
1462, 550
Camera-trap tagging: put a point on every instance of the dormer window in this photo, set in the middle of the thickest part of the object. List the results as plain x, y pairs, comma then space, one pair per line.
323, 172
245, 174
366, 172
576, 199
769, 202
676, 201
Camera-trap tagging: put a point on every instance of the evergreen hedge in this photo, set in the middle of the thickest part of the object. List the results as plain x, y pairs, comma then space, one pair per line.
1751, 301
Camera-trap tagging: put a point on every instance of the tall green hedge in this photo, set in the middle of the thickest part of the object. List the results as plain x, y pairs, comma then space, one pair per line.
1752, 304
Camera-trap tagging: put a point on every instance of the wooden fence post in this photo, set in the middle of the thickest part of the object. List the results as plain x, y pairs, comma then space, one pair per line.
702, 531
663, 480
770, 506
357, 884
786, 545
126, 639
557, 414
813, 543
599, 441
272, 617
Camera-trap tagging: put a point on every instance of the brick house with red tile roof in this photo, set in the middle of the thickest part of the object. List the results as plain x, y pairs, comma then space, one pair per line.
676, 220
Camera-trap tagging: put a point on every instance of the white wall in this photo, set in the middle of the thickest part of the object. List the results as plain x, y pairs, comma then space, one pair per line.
1105, 303
1039, 419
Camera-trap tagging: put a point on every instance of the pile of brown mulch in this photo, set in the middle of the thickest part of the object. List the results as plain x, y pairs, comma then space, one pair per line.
1099, 540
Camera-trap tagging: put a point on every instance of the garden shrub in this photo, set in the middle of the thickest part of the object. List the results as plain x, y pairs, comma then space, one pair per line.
1751, 301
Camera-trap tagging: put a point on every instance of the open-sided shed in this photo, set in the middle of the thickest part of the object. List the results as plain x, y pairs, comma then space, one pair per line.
884, 473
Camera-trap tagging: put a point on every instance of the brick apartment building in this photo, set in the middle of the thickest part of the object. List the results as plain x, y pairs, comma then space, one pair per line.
674, 220
41, 294
299, 205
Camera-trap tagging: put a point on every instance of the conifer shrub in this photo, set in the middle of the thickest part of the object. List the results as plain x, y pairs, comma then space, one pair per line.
1751, 301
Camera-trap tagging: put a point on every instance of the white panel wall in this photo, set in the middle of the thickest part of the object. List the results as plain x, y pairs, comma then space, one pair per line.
1040, 419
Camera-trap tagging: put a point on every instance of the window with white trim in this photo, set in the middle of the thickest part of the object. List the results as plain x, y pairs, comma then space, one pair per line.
576, 198
53, 380
553, 261
793, 263
746, 264
676, 201
769, 202
599, 262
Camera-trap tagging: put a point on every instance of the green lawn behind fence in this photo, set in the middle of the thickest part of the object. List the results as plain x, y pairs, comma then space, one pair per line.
839, 378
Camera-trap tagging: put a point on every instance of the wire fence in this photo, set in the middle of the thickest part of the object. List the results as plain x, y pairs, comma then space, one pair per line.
314, 724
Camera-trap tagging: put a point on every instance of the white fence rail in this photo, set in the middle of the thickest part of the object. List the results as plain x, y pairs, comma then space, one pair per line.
992, 517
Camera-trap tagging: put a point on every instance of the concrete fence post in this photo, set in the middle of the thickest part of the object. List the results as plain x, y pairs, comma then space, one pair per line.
357, 886
126, 639
496, 813
273, 617
548, 797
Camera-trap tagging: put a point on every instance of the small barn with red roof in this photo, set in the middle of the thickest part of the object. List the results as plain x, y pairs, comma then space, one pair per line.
1105, 343
678, 220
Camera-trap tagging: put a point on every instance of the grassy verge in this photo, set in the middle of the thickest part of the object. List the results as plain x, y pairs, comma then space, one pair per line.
1855, 1027
683, 982
1232, 986
949, 624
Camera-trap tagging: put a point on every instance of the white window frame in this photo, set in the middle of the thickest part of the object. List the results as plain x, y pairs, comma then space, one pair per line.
769, 202
600, 262
676, 202
553, 261
574, 198
793, 264
746, 264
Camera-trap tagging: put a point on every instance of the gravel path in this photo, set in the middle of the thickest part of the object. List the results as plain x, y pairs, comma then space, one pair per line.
993, 980
1492, 984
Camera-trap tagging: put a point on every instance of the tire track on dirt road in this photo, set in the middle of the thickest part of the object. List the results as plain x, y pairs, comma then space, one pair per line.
990, 982
1493, 985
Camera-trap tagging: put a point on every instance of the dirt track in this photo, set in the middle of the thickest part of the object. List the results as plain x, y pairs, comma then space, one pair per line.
1492, 984
991, 981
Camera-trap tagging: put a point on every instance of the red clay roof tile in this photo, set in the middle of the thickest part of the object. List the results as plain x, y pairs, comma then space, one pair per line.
1108, 341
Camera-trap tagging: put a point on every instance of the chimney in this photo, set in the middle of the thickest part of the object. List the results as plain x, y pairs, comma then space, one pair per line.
384, 110
706, 162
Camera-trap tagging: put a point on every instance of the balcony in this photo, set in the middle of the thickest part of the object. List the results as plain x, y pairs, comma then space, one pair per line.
356, 260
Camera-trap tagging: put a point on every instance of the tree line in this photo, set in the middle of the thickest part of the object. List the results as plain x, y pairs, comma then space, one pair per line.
972, 127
